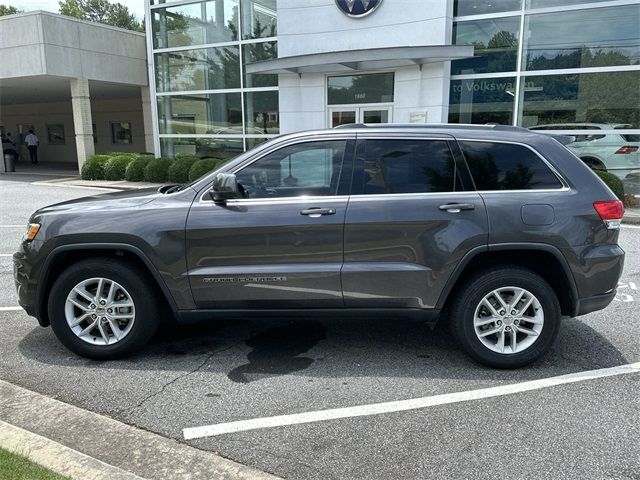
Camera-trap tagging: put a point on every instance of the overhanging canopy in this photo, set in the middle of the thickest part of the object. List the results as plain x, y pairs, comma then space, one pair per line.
360, 60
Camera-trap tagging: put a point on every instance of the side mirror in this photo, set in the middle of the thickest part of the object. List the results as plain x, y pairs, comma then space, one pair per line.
225, 187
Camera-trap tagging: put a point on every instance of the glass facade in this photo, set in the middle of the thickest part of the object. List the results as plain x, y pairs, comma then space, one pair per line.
570, 65
207, 105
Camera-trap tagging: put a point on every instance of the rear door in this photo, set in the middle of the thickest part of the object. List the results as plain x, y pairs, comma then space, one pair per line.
412, 216
282, 245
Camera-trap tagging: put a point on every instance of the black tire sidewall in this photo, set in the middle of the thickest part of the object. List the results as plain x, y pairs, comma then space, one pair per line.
463, 313
134, 281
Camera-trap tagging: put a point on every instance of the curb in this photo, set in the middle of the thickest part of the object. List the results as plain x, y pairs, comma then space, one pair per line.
58, 458
102, 442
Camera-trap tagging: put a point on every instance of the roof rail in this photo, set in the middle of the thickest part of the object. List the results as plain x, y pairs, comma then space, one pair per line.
448, 126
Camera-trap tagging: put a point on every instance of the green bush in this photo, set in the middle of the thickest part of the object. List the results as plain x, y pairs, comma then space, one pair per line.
201, 167
613, 182
93, 168
116, 166
179, 169
135, 169
157, 170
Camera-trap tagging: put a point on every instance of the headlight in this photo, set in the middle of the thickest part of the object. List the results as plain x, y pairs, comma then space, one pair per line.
32, 231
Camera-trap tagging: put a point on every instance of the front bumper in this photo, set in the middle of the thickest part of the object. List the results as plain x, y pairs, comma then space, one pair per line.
25, 285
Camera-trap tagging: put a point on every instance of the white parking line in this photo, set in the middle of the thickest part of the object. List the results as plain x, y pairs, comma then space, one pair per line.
10, 309
6, 254
13, 226
403, 405
630, 226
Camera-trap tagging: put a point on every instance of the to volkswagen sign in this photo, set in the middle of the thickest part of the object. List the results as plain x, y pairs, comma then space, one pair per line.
358, 8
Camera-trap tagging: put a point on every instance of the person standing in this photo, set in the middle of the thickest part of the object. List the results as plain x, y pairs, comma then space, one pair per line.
32, 145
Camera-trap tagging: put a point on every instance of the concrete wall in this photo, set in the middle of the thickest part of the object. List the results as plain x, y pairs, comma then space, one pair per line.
103, 112
318, 26
43, 43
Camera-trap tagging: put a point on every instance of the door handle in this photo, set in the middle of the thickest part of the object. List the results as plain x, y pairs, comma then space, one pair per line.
457, 207
316, 212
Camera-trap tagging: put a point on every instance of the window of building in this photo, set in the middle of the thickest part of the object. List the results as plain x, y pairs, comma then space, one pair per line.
195, 24
261, 113
121, 133
212, 113
482, 100
259, 19
604, 98
408, 166
55, 134
594, 37
557, 3
495, 41
502, 166
204, 69
311, 168
366, 88
207, 104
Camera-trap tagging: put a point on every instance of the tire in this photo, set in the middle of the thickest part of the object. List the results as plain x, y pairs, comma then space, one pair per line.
134, 302
536, 327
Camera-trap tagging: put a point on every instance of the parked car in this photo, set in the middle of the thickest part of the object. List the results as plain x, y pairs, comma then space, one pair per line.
501, 230
617, 153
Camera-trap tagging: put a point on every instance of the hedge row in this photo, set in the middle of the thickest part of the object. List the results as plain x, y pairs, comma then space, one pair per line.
137, 167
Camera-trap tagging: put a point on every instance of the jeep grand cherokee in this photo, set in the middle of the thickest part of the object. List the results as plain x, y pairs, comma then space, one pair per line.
502, 230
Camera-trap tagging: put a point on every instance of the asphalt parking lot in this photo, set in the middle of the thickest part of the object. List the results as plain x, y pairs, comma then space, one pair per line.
247, 369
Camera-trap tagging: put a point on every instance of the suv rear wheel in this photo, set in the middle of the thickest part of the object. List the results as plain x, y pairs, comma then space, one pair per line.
506, 317
103, 309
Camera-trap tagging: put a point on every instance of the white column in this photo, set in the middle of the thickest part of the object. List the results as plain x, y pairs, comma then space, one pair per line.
147, 119
81, 103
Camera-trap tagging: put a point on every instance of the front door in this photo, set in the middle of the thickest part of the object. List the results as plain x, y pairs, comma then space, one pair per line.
282, 245
346, 114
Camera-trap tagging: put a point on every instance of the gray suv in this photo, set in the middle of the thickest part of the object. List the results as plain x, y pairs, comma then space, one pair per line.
500, 230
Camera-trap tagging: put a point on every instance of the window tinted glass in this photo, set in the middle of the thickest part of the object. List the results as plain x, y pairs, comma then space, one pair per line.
501, 166
408, 166
304, 169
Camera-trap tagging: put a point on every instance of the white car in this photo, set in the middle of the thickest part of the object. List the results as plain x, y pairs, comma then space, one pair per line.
617, 153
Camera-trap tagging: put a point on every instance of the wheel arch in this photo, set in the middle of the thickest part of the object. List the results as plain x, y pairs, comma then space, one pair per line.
63, 257
545, 260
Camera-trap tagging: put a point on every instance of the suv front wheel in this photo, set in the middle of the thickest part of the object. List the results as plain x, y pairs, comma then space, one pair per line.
103, 309
506, 317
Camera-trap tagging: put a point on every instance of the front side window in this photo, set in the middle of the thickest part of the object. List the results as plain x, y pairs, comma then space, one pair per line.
408, 166
503, 166
311, 169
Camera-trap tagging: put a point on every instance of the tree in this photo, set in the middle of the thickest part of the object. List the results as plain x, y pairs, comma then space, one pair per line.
102, 11
8, 10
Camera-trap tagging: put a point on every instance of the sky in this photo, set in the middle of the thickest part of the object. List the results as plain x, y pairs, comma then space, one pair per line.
135, 6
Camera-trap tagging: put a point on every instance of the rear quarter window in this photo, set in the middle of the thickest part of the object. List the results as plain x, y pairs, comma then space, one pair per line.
504, 166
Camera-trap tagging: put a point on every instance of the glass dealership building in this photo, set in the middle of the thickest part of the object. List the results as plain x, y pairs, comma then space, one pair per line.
229, 74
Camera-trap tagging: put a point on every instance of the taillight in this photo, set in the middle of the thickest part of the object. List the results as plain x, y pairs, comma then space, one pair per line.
610, 211
627, 149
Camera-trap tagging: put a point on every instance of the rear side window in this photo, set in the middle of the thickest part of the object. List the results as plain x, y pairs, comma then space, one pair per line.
408, 166
503, 166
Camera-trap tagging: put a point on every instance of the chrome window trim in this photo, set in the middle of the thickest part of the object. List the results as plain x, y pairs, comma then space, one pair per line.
564, 184
407, 196
288, 200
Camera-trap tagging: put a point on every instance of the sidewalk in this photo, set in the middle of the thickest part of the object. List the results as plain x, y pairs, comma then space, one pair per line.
85, 445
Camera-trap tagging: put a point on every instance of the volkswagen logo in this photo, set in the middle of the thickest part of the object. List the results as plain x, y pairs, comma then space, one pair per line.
358, 8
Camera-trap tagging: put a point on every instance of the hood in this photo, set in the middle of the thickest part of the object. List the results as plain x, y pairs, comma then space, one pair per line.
105, 201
